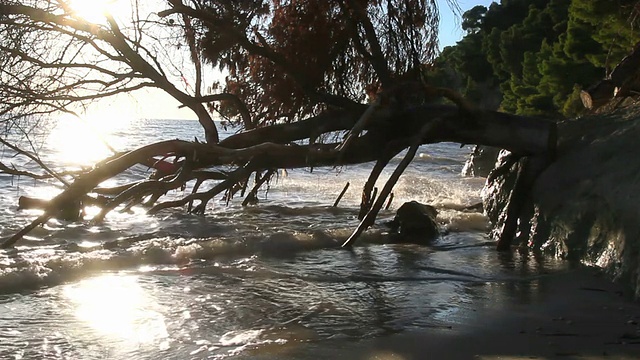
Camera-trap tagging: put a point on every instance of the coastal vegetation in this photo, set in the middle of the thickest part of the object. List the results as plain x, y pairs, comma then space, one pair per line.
535, 57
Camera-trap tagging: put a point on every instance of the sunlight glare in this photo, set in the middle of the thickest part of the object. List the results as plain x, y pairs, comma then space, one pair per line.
83, 142
95, 10
118, 307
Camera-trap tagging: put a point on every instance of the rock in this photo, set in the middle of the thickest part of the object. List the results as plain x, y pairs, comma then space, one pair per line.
481, 161
415, 223
584, 206
497, 191
589, 197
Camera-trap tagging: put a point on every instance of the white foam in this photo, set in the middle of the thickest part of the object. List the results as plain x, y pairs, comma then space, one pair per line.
457, 221
240, 337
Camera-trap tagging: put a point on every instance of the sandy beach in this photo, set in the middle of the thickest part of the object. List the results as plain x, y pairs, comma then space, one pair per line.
576, 314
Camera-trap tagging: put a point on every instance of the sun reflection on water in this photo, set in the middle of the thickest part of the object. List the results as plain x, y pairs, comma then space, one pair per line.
118, 307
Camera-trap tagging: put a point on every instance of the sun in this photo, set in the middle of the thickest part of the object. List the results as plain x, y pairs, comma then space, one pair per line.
85, 140
95, 10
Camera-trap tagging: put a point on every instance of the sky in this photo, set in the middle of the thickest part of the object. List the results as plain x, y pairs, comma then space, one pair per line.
450, 30
155, 104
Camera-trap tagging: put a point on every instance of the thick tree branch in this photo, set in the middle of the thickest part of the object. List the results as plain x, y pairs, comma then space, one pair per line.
434, 123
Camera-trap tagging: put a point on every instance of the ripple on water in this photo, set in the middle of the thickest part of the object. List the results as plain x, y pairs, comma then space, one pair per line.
178, 298
240, 280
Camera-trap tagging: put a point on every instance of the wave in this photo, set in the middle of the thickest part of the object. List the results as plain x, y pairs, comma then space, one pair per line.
28, 268
33, 265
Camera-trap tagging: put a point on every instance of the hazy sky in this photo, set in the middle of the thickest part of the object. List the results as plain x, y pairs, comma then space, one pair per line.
157, 105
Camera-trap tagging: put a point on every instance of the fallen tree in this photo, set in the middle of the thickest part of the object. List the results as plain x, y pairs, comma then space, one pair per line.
255, 151
289, 105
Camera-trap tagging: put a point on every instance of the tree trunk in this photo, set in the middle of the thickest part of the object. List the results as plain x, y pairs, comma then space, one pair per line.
274, 147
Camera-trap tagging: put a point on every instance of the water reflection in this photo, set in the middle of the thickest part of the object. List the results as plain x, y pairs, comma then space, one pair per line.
118, 307
268, 306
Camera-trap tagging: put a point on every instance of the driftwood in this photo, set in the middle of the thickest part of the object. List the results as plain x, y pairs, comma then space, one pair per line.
274, 147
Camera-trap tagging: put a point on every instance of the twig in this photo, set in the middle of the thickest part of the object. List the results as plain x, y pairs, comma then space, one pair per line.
143, 188
4, 169
335, 204
36, 159
252, 196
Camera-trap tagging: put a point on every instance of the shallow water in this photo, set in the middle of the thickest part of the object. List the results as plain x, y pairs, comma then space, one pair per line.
245, 281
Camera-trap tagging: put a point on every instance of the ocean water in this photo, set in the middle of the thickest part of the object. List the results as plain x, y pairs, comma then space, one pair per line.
267, 281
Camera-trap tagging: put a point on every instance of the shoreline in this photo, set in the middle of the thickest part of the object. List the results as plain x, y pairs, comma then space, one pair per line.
573, 314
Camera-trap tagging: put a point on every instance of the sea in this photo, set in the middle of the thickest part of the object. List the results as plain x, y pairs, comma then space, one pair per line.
266, 281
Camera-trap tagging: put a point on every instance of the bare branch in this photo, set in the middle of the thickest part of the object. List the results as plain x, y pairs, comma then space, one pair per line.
36, 159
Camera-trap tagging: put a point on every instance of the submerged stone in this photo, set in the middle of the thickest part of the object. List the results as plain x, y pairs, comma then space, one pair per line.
415, 223
481, 161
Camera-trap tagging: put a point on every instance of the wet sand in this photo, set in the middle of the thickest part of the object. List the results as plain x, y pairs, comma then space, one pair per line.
580, 315
575, 314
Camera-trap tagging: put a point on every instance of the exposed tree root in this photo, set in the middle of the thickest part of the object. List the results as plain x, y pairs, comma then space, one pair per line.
528, 172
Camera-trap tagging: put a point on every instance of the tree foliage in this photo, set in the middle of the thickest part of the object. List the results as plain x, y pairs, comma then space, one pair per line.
53, 60
290, 59
542, 53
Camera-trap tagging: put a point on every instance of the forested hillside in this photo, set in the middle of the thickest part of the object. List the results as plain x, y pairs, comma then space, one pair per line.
532, 57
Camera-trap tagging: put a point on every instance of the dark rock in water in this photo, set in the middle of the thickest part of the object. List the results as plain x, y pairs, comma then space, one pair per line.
497, 191
415, 223
481, 161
